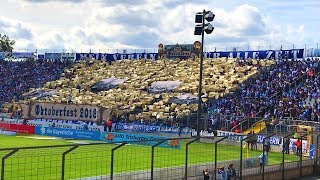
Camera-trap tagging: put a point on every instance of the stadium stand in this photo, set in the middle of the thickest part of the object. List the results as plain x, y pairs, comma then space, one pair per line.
19, 77
164, 92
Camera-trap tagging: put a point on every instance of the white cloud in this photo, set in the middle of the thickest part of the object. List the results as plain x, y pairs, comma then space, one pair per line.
17, 29
110, 24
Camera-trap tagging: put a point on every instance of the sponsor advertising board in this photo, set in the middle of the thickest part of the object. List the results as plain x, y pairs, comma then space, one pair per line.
140, 139
68, 133
19, 128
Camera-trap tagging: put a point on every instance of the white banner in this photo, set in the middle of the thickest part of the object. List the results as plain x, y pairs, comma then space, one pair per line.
293, 147
50, 123
232, 136
202, 133
65, 112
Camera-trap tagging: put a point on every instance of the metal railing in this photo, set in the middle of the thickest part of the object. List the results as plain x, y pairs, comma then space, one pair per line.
217, 46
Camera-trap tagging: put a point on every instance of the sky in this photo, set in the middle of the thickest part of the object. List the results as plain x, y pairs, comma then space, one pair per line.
106, 25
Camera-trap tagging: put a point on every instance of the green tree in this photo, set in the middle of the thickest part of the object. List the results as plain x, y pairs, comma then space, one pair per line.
6, 45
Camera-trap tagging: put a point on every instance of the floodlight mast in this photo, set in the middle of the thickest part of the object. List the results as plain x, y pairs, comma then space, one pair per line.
200, 30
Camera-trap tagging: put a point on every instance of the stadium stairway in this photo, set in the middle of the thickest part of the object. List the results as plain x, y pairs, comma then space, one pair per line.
257, 127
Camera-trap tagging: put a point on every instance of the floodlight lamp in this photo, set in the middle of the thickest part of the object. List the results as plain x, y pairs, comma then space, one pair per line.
198, 30
208, 28
198, 18
209, 16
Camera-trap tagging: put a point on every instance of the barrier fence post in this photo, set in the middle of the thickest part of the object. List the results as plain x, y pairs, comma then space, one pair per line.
152, 156
263, 153
112, 158
64, 158
283, 151
300, 167
300, 161
215, 155
241, 151
3, 162
317, 151
186, 164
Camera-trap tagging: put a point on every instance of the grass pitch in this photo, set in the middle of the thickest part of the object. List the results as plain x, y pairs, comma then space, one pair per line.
95, 160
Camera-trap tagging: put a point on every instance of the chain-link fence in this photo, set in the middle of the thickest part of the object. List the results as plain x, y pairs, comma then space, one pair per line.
259, 156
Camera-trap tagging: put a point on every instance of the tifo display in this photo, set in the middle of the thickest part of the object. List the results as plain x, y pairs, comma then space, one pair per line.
133, 98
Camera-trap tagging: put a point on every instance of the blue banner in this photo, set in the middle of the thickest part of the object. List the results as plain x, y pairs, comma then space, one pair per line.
116, 56
263, 54
68, 133
23, 55
53, 56
40, 56
6, 55
18, 55
313, 52
312, 152
274, 140
137, 127
140, 138
151, 128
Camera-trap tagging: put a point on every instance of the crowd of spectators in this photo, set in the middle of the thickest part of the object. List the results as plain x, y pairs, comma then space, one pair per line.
302, 102
17, 77
277, 92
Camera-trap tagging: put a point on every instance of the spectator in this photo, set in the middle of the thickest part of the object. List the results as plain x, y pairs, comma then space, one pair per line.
237, 130
222, 174
109, 124
105, 125
249, 139
231, 173
84, 126
69, 99
254, 141
267, 146
263, 158
299, 147
206, 175
286, 145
